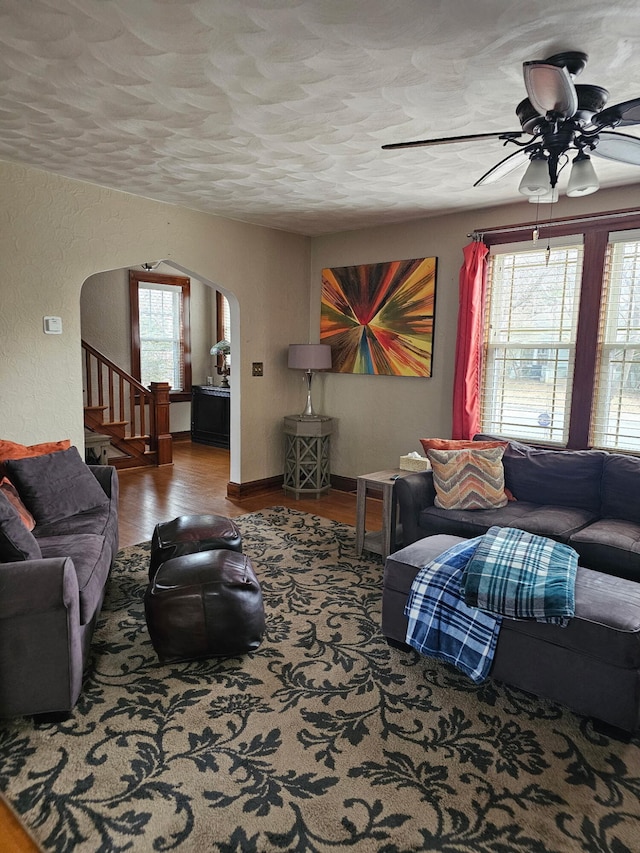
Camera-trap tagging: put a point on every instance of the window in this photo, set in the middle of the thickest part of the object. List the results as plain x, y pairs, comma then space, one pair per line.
530, 342
561, 356
616, 422
160, 349
223, 325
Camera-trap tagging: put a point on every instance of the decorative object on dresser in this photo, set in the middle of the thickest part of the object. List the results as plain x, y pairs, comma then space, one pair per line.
309, 357
223, 348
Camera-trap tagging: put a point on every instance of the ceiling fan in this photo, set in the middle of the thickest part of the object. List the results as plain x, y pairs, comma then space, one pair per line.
558, 117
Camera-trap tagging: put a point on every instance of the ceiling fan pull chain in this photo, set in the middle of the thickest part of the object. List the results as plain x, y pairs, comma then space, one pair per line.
536, 230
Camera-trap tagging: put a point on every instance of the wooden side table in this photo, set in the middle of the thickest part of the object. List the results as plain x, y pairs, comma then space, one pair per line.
383, 541
306, 456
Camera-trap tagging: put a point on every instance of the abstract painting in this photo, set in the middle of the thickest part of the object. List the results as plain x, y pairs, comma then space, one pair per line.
378, 318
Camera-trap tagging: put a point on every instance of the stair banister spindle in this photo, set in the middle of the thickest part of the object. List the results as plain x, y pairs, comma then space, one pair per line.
88, 381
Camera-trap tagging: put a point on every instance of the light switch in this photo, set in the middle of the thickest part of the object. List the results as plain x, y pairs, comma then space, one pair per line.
52, 325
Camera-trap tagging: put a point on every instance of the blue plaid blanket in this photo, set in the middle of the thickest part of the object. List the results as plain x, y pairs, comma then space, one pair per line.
441, 625
522, 576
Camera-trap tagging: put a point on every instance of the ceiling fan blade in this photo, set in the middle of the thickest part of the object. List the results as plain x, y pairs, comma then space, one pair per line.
621, 147
445, 140
550, 88
504, 167
619, 115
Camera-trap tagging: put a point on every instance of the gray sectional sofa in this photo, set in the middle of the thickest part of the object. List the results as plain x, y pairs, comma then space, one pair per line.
53, 579
589, 499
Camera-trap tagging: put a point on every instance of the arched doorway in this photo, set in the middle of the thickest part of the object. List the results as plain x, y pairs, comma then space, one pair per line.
105, 323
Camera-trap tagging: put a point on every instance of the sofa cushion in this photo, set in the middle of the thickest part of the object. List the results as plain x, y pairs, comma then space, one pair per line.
606, 624
610, 545
468, 479
16, 542
556, 522
570, 478
621, 487
56, 485
91, 557
94, 520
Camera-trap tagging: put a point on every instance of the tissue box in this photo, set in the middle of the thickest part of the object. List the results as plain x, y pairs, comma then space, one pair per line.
411, 463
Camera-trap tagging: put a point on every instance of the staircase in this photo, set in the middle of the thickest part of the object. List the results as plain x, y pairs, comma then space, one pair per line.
134, 417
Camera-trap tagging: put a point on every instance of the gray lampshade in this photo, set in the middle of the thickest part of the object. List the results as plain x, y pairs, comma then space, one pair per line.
310, 356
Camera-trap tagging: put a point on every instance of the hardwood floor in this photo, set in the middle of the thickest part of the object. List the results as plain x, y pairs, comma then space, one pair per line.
195, 483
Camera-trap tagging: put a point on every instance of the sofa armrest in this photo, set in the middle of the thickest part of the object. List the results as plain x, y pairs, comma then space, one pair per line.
107, 476
41, 658
33, 586
414, 493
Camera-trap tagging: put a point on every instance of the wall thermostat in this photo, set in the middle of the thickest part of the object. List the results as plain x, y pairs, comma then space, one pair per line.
52, 325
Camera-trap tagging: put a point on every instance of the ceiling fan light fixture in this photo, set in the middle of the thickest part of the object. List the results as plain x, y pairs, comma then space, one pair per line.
550, 197
583, 179
535, 181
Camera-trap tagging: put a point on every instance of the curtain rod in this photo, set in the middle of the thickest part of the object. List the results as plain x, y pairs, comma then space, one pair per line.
478, 234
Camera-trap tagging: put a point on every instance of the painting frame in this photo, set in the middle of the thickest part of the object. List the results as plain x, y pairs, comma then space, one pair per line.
379, 318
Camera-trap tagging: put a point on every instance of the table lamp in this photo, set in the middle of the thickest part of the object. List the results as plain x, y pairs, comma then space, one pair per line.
309, 357
222, 348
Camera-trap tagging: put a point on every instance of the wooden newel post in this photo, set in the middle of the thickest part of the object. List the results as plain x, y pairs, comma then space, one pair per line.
164, 442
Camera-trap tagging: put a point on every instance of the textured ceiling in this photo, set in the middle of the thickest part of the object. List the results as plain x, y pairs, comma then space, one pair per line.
274, 111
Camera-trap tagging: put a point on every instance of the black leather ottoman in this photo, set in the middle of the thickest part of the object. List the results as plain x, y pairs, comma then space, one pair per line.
592, 666
188, 534
207, 604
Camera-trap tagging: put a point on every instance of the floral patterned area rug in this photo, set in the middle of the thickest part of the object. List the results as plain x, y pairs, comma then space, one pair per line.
325, 739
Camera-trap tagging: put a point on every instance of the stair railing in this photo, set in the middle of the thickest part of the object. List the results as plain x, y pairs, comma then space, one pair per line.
136, 418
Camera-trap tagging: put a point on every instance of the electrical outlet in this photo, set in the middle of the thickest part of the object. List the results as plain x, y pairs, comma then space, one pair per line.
257, 369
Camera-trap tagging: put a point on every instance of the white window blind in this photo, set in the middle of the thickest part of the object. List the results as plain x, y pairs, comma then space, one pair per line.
161, 347
226, 318
531, 317
616, 415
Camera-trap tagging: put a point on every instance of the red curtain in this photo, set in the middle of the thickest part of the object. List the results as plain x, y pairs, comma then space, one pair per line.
466, 384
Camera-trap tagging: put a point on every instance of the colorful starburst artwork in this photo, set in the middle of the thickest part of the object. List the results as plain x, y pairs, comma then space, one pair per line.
378, 318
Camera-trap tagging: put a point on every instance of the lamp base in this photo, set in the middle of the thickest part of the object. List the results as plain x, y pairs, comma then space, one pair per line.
308, 413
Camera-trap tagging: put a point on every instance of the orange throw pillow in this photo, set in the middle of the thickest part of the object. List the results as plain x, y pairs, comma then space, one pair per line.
13, 450
458, 444
11, 494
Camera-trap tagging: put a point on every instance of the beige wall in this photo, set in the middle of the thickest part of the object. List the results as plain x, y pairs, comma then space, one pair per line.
379, 418
55, 233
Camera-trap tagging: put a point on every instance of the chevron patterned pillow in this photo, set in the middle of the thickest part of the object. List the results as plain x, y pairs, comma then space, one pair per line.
468, 478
